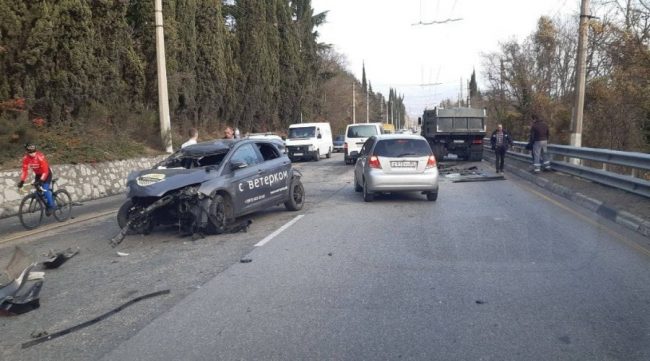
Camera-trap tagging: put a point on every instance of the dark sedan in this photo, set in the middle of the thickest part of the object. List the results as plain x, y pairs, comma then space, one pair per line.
338, 143
204, 187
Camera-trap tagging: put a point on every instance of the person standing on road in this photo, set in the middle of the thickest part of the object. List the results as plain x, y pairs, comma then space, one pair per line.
228, 133
500, 141
36, 161
194, 136
539, 134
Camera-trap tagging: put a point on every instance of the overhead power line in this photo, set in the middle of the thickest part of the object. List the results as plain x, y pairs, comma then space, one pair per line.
436, 21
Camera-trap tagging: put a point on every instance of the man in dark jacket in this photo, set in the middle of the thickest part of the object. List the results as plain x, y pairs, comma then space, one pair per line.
500, 141
539, 136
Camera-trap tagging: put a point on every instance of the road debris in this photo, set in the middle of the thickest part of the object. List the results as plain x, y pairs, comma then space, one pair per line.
35, 276
122, 254
469, 174
245, 260
19, 295
56, 258
58, 334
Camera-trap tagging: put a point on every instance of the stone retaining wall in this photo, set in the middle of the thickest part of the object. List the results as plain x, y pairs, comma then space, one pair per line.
82, 181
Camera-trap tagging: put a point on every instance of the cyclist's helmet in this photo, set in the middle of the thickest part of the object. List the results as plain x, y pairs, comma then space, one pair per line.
30, 148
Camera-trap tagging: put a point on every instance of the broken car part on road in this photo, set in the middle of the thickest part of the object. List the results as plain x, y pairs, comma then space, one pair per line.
19, 295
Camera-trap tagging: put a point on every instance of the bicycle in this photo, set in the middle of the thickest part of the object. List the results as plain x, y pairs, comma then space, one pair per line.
33, 206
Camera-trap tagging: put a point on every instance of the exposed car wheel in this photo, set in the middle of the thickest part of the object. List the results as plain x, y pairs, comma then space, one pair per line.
367, 196
218, 215
126, 212
296, 196
357, 187
316, 155
329, 154
432, 196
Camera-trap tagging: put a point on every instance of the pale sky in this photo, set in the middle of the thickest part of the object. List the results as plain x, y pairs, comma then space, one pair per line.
404, 56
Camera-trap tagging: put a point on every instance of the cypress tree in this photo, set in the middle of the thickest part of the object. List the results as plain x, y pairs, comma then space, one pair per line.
120, 75
211, 81
186, 57
66, 79
259, 64
364, 82
290, 65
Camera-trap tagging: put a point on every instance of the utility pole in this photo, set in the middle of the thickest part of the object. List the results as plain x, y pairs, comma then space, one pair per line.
163, 102
460, 96
581, 74
354, 111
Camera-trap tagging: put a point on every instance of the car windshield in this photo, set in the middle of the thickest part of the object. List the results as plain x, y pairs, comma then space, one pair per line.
302, 132
396, 148
339, 138
362, 131
190, 160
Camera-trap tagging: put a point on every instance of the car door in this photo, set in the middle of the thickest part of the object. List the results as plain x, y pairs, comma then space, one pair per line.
247, 178
361, 164
275, 175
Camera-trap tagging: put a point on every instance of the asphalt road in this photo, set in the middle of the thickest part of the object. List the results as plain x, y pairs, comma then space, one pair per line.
491, 271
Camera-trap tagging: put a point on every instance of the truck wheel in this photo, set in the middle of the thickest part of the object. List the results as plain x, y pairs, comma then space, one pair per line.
438, 152
296, 196
316, 155
217, 216
329, 154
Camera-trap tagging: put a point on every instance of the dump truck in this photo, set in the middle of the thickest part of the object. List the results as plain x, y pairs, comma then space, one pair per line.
458, 131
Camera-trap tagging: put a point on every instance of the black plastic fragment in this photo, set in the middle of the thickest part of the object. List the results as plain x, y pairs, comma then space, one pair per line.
56, 259
93, 321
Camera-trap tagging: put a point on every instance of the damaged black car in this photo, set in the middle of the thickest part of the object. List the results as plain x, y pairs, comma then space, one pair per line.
205, 187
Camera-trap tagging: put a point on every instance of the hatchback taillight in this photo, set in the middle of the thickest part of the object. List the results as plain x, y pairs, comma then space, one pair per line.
431, 162
373, 162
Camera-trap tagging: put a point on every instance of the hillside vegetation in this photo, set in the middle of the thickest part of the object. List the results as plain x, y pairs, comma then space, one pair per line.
79, 77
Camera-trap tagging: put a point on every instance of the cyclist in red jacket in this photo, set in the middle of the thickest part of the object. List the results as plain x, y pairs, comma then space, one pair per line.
36, 161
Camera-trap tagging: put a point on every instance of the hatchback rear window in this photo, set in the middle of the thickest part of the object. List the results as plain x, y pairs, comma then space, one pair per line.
362, 131
396, 148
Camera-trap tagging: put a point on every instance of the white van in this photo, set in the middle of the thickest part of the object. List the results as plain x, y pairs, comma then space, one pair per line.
309, 141
355, 136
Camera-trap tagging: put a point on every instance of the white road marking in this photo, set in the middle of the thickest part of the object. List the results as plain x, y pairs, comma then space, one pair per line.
278, 231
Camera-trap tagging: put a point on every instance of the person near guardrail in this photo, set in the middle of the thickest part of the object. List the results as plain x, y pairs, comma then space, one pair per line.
36, 161
539, 134
500, 141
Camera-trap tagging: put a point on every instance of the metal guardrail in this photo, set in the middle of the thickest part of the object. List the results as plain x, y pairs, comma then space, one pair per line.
561, 161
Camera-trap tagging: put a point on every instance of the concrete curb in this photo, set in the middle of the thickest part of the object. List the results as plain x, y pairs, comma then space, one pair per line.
621, 217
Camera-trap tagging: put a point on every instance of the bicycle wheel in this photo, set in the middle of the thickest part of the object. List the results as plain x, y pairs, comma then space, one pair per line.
31, 211
63, 205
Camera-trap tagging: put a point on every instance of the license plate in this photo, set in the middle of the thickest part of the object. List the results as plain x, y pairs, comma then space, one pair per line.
403, 164
297, 154
459, 141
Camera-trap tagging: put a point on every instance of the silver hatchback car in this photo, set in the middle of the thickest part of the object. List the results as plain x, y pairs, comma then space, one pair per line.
396, 163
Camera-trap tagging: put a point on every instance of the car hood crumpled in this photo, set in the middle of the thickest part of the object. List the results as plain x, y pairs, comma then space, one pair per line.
157, 182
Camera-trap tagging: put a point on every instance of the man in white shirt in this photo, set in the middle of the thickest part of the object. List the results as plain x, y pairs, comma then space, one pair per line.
194, 135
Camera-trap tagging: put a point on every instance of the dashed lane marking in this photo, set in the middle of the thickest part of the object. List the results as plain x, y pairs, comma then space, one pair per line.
278, 231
